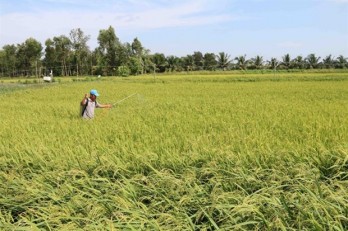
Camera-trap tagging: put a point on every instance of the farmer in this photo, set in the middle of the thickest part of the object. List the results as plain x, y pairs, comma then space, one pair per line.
89, 104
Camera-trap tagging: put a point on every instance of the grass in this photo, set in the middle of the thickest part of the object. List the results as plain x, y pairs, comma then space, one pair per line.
186, 153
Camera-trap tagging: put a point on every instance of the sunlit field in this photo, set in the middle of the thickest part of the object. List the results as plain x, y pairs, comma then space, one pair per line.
187, 152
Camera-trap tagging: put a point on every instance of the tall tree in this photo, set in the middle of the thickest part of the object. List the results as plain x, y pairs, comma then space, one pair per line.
80, 50
62, 47
50, 58
2, 63
137, 47
138, 52
108, 47
10, 61
29, 56
123, 53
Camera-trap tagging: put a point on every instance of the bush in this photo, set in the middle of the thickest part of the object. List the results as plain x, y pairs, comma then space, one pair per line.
123, 71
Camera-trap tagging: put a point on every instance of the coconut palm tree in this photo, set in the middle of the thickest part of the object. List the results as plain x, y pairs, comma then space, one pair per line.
273, 63
257, 62
160, 62
313, 61
341, 62
223, 60
298, 62
209, 61
328, 62
199, 60
189, 63
173, 63
242, 62
286, 61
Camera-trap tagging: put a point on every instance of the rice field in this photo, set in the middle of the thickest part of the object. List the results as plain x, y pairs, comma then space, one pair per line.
187, 152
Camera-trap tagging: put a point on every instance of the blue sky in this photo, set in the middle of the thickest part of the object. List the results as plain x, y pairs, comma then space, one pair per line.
270, 28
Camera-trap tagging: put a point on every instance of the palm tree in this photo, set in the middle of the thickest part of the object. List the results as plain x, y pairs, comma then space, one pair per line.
189, 63
209, 61
223, 60
257, 62
328, 62
173, 63
286, 61
160, 62
313, 61
341, 62
242, 62
273, 63
298, 62
198, 59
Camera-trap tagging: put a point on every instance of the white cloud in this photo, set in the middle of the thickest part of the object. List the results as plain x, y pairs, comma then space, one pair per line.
171, 14
188, 14
128, 15
206, 24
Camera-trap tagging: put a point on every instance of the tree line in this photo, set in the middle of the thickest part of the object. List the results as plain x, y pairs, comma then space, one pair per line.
71, 56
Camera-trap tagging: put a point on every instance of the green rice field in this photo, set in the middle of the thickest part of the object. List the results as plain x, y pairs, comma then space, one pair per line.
187, 152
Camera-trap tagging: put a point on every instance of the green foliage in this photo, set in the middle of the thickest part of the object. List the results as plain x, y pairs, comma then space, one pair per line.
123, 71
109, 48
70, 56
223, 60
207, 152
135, 67
160, 62
28, 55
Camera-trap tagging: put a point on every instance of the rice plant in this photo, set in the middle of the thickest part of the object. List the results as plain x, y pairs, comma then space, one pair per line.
229, 152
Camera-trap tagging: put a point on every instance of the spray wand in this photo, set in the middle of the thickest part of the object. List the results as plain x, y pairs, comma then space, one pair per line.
123, 99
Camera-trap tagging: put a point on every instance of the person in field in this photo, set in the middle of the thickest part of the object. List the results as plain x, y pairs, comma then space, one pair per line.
88, 104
